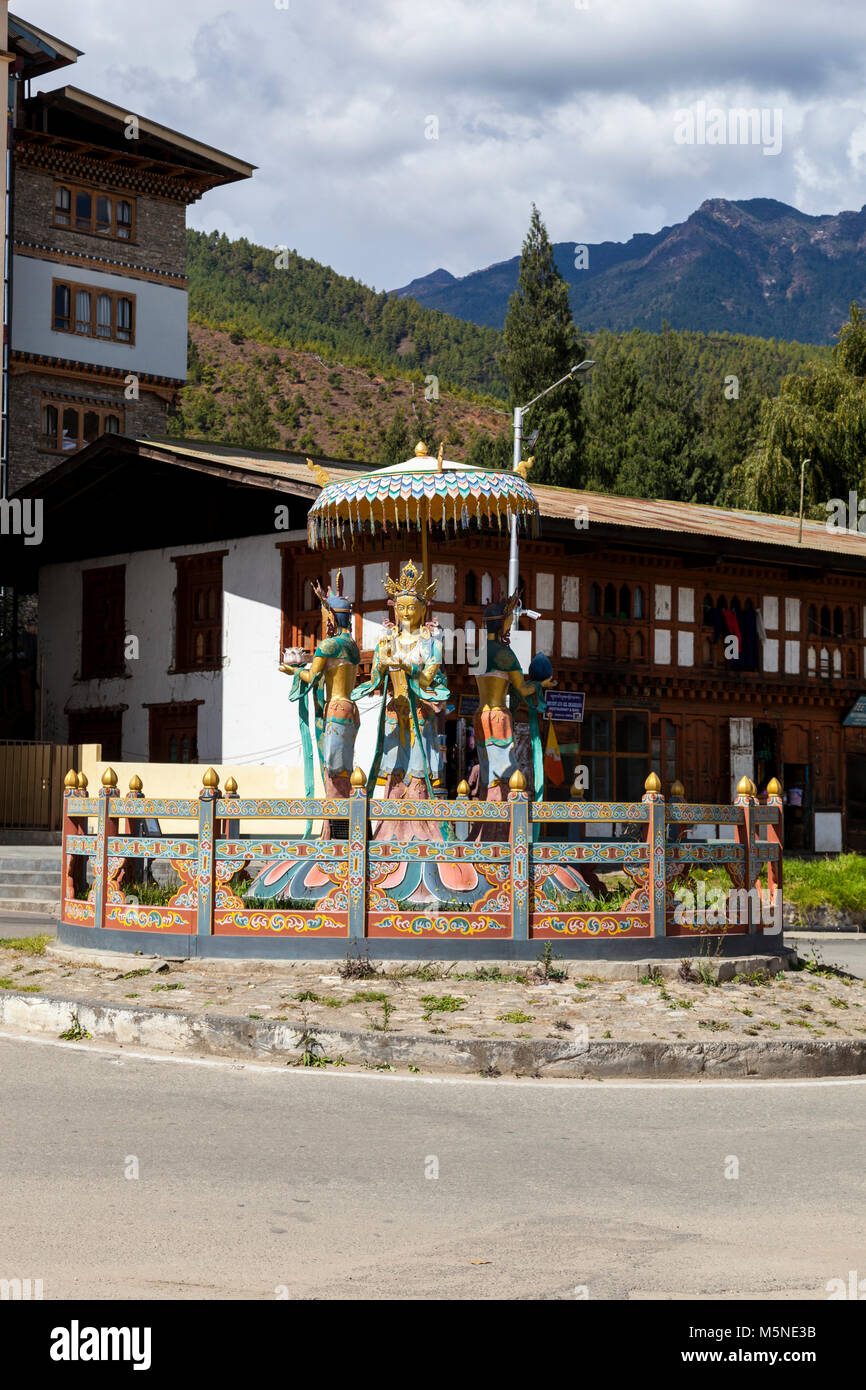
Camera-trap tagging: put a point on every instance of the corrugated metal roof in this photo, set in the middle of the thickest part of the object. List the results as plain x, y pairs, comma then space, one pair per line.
559, 503
651, 515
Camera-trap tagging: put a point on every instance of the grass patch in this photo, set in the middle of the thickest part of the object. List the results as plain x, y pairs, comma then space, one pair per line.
28, 945
369, 996
21, 989
516, 1016
441, 1004
838, 882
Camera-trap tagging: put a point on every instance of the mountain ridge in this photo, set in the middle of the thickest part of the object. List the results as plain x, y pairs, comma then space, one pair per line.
755, 266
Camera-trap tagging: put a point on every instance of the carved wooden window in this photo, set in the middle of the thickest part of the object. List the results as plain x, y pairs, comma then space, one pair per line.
174, 733
87, 210
89, 312
101, 726
595, 600
102, 622
199, 600
64, 429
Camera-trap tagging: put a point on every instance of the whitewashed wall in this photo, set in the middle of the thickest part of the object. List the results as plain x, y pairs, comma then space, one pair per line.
246, 716
160, 320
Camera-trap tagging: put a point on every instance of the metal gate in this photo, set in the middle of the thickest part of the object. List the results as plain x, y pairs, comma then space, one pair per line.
31, 783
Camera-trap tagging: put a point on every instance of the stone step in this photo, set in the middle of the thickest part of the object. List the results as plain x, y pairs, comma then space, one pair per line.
37, 906
29, 866
37, 891
32, 878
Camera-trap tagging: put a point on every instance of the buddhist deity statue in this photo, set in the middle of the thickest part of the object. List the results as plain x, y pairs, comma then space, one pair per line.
335, 665
500, 685
407, 669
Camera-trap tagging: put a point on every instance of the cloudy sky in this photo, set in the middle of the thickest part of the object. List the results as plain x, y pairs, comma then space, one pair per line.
574, 104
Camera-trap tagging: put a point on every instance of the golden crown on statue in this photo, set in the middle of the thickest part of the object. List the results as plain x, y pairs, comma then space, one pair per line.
410, 584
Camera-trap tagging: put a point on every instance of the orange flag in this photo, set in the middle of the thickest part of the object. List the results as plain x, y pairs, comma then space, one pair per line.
553, 759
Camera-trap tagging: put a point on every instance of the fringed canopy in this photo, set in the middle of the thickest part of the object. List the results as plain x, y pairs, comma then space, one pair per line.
421, 494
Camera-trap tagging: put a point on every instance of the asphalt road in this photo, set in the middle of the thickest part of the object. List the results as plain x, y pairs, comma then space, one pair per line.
844, 950
254, 1180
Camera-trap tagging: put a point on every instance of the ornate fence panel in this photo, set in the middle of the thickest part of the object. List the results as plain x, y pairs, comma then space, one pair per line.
481, 870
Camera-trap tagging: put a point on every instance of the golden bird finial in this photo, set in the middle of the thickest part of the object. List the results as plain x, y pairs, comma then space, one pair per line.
318, 473
524, 466
440, 456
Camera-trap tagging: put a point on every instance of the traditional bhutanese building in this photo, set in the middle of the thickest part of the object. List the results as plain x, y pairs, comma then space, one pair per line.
98, 279
636, 601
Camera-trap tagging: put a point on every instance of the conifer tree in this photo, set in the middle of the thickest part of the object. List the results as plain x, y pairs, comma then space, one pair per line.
820, 417
541, 345
397, 441
252, 426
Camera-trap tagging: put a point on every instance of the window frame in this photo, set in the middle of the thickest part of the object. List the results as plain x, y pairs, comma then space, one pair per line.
102, 641
115, 229
73, 288
61, 408
195, 572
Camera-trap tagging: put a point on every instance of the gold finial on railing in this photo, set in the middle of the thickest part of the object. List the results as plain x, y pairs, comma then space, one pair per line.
653, 784
210, 779
746, 787
463, 789
135, 784
517, 782
774, 787
70, 781
109, 777
82, 781
231, 786
358, 779
677, 791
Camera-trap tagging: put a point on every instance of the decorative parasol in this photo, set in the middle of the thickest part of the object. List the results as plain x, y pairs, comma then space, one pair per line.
420, 494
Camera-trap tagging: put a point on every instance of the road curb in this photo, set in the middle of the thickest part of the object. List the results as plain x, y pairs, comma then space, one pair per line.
247, 1039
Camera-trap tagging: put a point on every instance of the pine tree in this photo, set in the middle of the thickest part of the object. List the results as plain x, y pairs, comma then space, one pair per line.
252, 426
397, 441
612, 419
541, 346
670, 458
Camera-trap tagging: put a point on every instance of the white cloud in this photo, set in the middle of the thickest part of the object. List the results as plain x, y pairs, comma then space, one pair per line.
547, 102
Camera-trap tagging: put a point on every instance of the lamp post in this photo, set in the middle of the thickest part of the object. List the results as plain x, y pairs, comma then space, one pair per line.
519, 412
802, 497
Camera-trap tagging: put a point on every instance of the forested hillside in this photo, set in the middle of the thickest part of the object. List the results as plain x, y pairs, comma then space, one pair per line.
301, 358
280, 297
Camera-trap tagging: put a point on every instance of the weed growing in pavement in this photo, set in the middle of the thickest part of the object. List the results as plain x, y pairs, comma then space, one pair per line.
75, 1032
359, 966
440, 1004
381, 1025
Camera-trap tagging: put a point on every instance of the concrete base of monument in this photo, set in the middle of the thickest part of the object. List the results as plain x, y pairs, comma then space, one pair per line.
629, 953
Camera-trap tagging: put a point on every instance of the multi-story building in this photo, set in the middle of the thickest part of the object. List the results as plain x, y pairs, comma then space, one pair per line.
98, 284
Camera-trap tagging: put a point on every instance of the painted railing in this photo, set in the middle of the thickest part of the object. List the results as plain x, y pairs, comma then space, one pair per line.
519, 879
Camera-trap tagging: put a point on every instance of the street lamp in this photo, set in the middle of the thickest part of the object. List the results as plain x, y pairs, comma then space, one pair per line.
519, 412
802, 496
